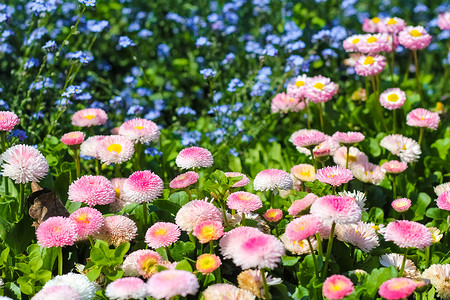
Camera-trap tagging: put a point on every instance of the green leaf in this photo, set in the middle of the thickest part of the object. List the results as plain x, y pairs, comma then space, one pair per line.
12, 290
121, 250
25, 285
180, 198
181, 249
289, 260
300, 292
419, 209
184, 265
376, 278
94, 272
167, 206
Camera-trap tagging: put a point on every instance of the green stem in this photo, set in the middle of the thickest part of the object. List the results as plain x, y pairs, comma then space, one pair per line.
313, 159
377, 103
319, 245
77, 162
321, 115
422, 129
97, 167
266, 287
334, 189
145, 215
394, 120
272, 198
60, 261
419, 86
218, 275
117, 170
224, 213
402, 269
348, 154
22, 199
91, 240
307, 114
316, 266
211, 247
394, 186
188, 192
138, 156
428, 255
329, 246
277, 233
243, 219
72, 30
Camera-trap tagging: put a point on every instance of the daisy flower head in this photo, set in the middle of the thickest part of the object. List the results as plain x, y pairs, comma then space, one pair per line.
442, 188
117, 229
90, 145
337, 287
298, 247
142, 186
162, 234
367, 65
194, 157
397, 288
396, 260
195, 212
443, 21
92, 190
371, 25
54, 293
115, 149
208, 231
226, 291
392, 25
73, 138
336, 209
273, 215
368, 173
243, 182
392, 98
296, 87
119, 202
394, 166
126, 288
89, 117
334, 176
251, 280
244, 202
407, 149
23, 164
443, 201
302, 228
320, 89
8, 120
301, 205
439, 275
170, 283
421, 117
140, 130
372, 43
401, 204
304, 172
351, 43
361, 235
348, 138
328, 147
207, 263
272, 179
79, 282
355, 156
436, 233
184, 180
56, 232
406, 234
414, 37
309, 139
359, 197
147, 264
130, 266
284, 103
88, 221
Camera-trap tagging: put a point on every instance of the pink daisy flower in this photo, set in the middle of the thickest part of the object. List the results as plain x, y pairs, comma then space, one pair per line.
55, 292
23, 164
371, 25
304, 172
336, 209
320, 89
126, 288
442, 188
207, 263
114, 149
194, 212
250, 248
73, 138
301, 205
89, 117
56, 232
443, 201
296, 87
79, 282
244, 202
90, 145
372, 43
337, 287
397, 288
348, 138
421, 117
272, 179
243, 182
414, 38
406, 234
184, 180
302, 228
370, 65
88, 221
392, 98
368, 172
170, 283
147, 264
92, 190
273, 215
361, 235
394, 166
119, 203
443, 21
194, 157
392, 25
334, 176
298, 247
284, 103
140, 130
8, 120
208, 231
117, 230
407, 149
142, 186
130, 265
351, 43
355, 156
328, 147
310, 139
401, 204
162, 234
226, 291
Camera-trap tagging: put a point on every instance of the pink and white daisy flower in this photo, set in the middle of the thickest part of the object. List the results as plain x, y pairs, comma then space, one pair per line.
140, 130
301, 205
56, 232
89, 117
392, 25
397, 288
394, 166
302, 228
194, 212
355, 156
414, 38
243, 182
194, 157
351, 43
226, 291
439, 275
142, 186
162, 234
90, 145
401, 204
406, 234
184, 180
207, 263
368, 65
443, 21
92, 190
119, 202
88, 221
361, 235
443, 201
126, 288
55, 292
336, 209
368, 172
320, 89
273, 215
407, 149
130, 266
8, 120
421, 117
272, 179
337, 287
244, 202
442, 188
114, 149
117, 230
79, 282
207, 231
296, 87
371, 25
298, 247
73, 138
284, 104
392, 98
147, 264
304, 172
348, 138
170, 283
309, 139
334, 176
372, 44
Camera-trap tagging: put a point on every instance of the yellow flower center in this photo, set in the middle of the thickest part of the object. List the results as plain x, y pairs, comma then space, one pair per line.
243, 197
391, 21
404, 147
117, 193
398, 285
376, 227
319, 85
140, 127
83, 218
355, 41
291, 100
306, 173
337, 286
439, 106
300, 83
369, 60
208, 232
392, 98
376, 20
115, 148
57, 229
206, 262
415, 33
160, 232
148, 265
272, 214
351, 158
372, 39
89, 117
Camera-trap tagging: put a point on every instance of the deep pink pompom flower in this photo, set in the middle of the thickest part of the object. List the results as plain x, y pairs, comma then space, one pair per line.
303, 227
194, 157
394, 166
126, 288
140, 130
392, 98
414, 38
370, 65
170, 283
8, 120
92, 190
88, 221
397, 288
184, 180
244, 202
334, 176
89, 117
162, 234
272, 179
443, 201
336, 209
401, 204
421, 117
194, 212
73, 138
348, 138
320, 89
142, 186
56, 232
406, 234
337, 287
243, 182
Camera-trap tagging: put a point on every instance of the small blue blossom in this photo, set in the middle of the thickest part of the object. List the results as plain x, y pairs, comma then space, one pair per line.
152, 114
233, 152
208, 73
190, 137
202, 41
31, 62
234, 83
50, 46
72, 90
184, 110
163, 50
125, 41
145, 33
152, 151
87, 2
19, 134
96, 26
135, 110
217, 96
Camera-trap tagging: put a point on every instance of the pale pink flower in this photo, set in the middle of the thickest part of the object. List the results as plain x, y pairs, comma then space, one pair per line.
243, 182
397, 288
140, 130
301, 205
392, 25
361, 235
371, 25
442, 188
207, 263
304, 172
90, 145
421, 117
302, 228
355, 156
8, 120
370, 65
273, 215
372, 43
194, 157
401, 204
394, 166
184, 180
147, 264
73, 138
130, 266
114, 149
439, 275
351, 43
396, 260
92, 190
298, 247
162, 234
56, 232
348, 138
406, 234
310, 139
392, 98
337, 287
126, 288
194, 212
328, 147
23, 164
284, 103
336, 209
207, 231
368, 172
272, 179
443, 201
244, 202
407, 149
55, 292
443, 21
88, 221
320, 89
89, 117
170, 283
119, 202
334, 176
79, 282
117, 230
296, 87
142, 186
226, 291
414, 38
